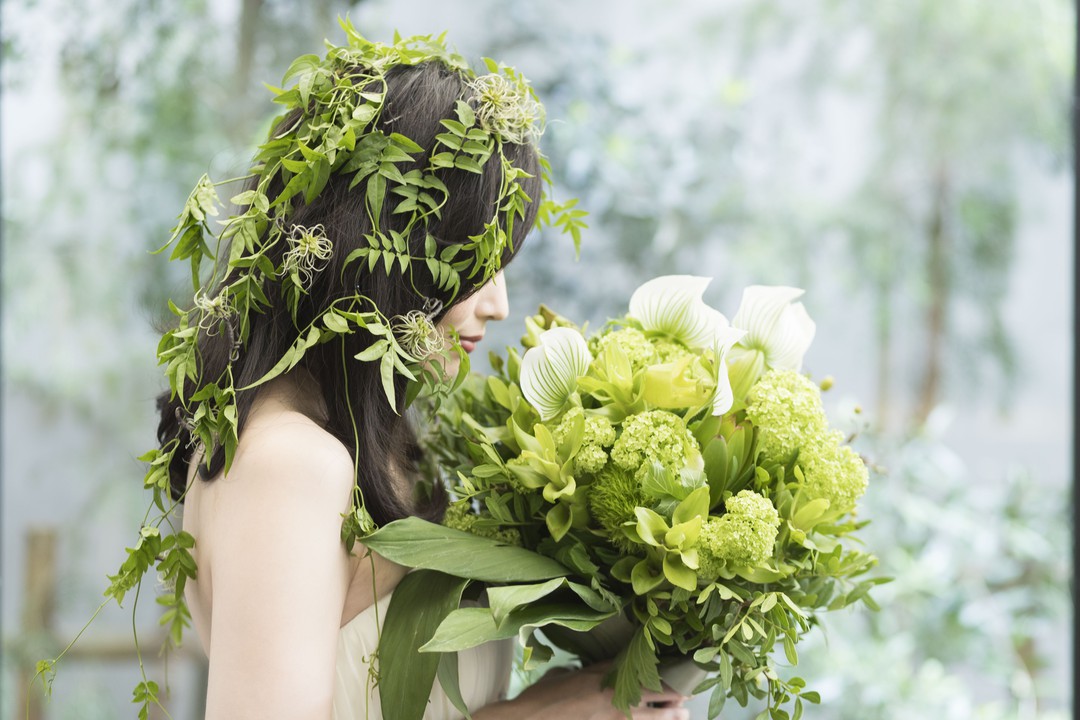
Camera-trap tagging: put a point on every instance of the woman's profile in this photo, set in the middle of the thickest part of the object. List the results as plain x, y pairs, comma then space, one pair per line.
366, 260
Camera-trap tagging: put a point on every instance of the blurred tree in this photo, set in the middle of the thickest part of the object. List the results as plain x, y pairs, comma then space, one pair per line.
963, 99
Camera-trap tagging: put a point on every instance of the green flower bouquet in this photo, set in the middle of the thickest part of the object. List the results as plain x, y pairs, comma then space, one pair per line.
666, 492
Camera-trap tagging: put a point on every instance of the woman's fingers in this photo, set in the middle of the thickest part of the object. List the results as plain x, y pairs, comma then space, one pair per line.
660, 714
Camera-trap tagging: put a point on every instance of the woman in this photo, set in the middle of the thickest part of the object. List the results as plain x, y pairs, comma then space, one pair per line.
377, 222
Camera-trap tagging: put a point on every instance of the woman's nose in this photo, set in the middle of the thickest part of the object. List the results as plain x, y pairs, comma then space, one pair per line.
494, 302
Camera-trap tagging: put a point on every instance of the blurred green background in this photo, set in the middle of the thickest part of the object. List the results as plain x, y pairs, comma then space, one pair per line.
905, 161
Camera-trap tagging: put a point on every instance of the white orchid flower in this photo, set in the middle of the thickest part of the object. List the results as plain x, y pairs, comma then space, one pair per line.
776, 326
550, 370
672, 304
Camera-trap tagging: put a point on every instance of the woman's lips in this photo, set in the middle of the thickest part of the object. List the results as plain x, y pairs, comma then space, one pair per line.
469, 343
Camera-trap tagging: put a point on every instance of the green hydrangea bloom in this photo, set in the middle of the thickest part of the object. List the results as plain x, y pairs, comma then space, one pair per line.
786, 408
668, 350
459, 516
599, 434
613, 495
655, 436
633, 342
833, 471
744, 535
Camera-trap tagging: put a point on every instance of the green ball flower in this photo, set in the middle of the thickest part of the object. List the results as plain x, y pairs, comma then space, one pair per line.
833, 471
744, 535
633, 342
459, 516
668, 350
786, 408
613, 495
656, 436
599, 434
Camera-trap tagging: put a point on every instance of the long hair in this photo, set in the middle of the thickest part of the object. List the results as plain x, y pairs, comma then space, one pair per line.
383, 443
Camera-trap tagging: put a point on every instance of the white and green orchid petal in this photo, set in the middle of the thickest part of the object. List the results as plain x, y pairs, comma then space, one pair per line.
775, 324
724, 396
550, 370
672, 304
793, 338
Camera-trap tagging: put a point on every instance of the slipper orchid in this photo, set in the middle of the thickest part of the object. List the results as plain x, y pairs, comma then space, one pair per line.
550, 370
672, 304
778, 333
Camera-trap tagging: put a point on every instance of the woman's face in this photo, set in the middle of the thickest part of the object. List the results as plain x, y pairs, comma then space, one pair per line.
471, 316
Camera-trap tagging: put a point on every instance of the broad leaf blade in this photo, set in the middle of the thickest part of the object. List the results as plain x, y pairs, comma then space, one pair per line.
420, 602
469, 627
417, 543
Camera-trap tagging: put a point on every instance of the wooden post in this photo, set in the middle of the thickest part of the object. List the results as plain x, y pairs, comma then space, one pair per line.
39, 604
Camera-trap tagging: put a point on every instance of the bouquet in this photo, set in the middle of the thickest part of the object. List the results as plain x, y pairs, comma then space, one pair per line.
666, 492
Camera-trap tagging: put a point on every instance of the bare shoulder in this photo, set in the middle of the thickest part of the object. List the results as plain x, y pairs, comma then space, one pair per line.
285, 448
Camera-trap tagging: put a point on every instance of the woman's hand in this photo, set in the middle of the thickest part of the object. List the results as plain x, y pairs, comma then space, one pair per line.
563, 694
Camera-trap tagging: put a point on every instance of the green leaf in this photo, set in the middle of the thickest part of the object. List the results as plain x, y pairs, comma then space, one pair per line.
335, 322
448, 680
810, 514
644, 578
558, 520
302, 64
386, 371
417, 543
419, 603
678, 574
405, 143
650, 526
696, 505
289, 359
503, 600
715, 455
635, 669
469, 627
716, 701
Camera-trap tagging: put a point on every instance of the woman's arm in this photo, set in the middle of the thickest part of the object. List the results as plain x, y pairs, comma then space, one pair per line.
279, 574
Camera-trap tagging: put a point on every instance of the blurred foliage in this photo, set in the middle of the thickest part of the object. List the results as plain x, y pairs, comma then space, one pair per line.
876, 147
974, 616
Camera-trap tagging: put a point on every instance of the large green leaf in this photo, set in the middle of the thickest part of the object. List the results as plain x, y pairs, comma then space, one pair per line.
448, 679
469, 627
420, 602
417, 543
507, 598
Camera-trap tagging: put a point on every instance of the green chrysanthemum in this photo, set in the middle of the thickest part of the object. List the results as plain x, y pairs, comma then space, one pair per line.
786, 408
613, 495
656, 436
833, 471
743, 536
637, 348
599, 434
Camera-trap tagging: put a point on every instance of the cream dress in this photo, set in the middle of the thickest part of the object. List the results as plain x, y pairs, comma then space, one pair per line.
483, 673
